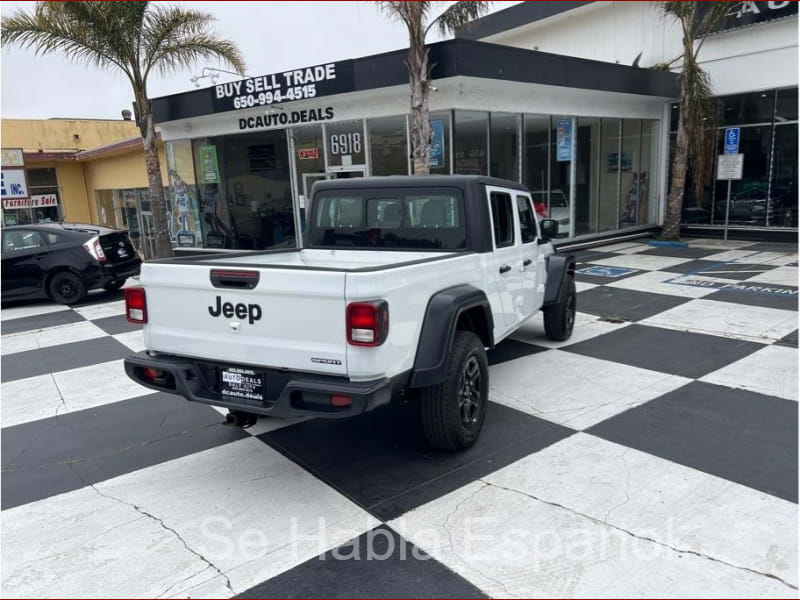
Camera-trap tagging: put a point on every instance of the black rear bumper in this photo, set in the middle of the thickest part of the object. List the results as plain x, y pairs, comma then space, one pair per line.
287, 393
105, 273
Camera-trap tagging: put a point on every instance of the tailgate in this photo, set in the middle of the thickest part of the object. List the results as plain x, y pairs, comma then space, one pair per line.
292, 318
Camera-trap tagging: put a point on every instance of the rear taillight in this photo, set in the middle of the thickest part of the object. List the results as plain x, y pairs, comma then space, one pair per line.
94, 248
135, 305
367, 323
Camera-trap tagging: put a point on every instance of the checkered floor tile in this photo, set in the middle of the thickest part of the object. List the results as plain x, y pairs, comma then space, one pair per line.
654, 453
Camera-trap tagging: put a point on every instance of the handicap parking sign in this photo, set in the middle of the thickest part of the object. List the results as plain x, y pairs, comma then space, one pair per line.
601, 271
732, 140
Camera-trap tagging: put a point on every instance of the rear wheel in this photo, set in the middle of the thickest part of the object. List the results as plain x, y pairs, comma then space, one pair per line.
453, 412
114, 285
559, 319
66, 288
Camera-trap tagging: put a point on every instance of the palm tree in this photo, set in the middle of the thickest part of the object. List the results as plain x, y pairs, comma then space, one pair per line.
696, 138
136, 38
415, 16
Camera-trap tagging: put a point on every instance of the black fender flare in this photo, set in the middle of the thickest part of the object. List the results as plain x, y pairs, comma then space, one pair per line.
439, 330
559, 267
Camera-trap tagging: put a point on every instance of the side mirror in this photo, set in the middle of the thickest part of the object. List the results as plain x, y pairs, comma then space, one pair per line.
549, 228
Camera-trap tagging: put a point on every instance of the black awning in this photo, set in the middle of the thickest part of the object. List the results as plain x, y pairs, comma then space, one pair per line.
452, 58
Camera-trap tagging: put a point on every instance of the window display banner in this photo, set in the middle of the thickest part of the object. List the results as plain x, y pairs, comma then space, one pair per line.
208, 164
437, 144
35, 201
564, 140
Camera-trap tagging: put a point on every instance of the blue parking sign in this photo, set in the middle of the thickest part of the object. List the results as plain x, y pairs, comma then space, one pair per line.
732, 140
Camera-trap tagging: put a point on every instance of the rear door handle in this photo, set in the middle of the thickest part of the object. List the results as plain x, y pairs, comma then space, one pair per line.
526, 262
505, 269
41, 256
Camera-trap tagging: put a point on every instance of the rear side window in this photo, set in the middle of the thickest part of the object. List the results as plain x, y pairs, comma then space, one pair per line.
411, 218
527, 223
21, 240
502, 219
55, 238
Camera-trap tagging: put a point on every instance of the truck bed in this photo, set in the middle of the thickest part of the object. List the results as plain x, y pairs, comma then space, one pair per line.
313, 259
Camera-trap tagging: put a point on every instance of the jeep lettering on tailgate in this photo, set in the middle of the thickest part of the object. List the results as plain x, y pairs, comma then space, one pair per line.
228, 310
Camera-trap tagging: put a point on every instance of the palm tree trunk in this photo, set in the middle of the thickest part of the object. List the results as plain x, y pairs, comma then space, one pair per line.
671, 229
419, 79
163, 247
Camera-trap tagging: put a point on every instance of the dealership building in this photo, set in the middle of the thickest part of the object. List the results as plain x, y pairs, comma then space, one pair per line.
560, 96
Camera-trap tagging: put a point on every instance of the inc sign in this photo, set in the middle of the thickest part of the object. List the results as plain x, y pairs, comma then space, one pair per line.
13, 184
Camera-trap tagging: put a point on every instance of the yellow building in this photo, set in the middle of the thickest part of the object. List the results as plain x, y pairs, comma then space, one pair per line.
81, 170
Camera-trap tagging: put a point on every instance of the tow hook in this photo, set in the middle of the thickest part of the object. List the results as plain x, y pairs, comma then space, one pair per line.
242, 419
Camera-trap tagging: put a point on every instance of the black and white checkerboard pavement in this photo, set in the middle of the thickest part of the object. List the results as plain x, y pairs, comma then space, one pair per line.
653, 454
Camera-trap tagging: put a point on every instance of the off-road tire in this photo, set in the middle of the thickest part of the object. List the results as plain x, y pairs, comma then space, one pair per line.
559, 319
453, 412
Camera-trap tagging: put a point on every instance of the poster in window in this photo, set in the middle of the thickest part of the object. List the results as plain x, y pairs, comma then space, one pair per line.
437, 144
208, 164
563, 140
183, 216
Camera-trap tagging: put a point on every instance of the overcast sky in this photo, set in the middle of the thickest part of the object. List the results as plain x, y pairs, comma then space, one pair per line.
273, 36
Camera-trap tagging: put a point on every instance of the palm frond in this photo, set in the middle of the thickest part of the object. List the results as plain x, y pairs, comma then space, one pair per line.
459, 14
174, 38
677, 8
185, 51
74, 31
409, 13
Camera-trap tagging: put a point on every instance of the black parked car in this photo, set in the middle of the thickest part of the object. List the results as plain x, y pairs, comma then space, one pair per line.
63, 261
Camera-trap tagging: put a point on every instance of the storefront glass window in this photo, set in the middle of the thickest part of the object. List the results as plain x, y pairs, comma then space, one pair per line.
256, 175
609, 175
673, 117
630, 170
741, 109
504, 154
129, 209
648, 174
106, 210
560, 169
587, 173
346, 145
388, 144
183, 211
43, 187
755, 201
783, 189
212, 198
786, 105
536, 160
471, 137
440, 143
748, 200
40, 178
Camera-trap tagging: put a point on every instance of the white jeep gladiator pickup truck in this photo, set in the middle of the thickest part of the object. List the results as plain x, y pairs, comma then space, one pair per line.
401, 286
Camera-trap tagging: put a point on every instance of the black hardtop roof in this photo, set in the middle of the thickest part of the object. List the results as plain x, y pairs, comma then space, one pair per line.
412, 181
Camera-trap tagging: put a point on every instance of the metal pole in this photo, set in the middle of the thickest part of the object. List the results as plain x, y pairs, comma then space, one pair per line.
727, 210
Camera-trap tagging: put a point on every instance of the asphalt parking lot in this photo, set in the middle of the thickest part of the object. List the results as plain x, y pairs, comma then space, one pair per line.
652, 454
